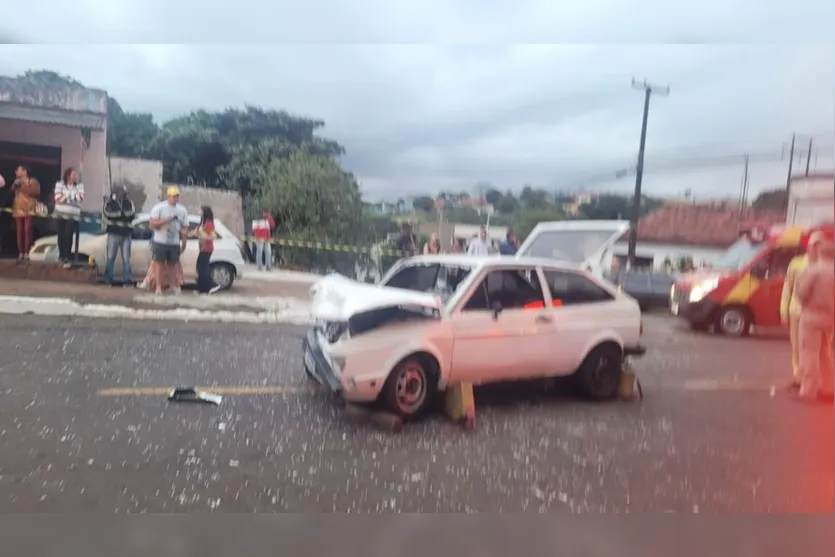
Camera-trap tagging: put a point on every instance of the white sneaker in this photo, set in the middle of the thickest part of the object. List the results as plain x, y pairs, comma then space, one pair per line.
214, 289
176, 291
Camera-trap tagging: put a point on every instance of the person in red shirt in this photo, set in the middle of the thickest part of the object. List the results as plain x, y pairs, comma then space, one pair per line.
206, 241
262, 230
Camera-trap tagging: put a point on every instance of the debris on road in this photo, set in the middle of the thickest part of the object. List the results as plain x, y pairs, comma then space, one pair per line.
190, 394
386, 421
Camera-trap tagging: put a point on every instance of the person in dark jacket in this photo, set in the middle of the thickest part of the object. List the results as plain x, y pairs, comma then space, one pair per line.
119, 213
510, 244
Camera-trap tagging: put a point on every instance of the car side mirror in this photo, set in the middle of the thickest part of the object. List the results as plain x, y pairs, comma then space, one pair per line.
497, 309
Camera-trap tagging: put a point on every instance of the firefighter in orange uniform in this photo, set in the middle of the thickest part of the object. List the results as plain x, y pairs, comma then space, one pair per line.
815, 291
790, 313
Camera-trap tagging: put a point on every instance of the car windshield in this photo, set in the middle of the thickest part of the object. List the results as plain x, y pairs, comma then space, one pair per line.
739, 255
435, 278
568, 245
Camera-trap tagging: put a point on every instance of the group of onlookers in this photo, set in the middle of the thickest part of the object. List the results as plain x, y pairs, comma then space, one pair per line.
479, 245
168, 221
808, 307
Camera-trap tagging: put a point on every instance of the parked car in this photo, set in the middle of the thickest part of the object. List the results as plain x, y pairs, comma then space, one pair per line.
227, 264
436, 320
651, 290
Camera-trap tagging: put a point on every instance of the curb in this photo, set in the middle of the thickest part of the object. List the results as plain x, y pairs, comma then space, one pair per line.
296, 314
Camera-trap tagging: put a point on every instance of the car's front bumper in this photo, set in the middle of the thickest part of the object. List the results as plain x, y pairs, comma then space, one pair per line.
317, 364
699, 314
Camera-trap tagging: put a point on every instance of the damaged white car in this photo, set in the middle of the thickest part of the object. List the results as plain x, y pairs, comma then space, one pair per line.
436, 320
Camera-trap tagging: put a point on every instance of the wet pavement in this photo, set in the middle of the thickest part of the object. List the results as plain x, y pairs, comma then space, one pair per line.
711, 434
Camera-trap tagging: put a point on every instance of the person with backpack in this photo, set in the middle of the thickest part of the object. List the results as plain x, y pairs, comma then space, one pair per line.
119, 212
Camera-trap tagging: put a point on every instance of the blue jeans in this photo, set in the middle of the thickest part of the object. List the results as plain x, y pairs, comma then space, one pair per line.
263, 254
118, 245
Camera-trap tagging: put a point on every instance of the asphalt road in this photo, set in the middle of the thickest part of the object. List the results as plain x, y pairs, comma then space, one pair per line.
710, 436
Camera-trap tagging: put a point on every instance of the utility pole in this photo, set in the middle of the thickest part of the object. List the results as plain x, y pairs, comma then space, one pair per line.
639, 170
743, 205
809, 156
791, 162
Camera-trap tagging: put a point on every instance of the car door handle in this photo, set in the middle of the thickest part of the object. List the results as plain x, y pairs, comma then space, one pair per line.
544, 319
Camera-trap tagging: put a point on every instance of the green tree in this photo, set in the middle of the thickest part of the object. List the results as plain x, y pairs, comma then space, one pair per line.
312, 197
131, 134
614, 207
507, 204
423, 203
772, 200
493, 196
524, 221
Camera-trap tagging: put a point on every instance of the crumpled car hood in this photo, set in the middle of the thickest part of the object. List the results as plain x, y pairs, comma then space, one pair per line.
338, 298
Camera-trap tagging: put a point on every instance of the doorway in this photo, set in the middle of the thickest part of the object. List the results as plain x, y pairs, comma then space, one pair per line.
44, 164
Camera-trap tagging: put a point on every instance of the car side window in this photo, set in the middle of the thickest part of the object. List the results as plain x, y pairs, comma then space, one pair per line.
141, 231
513, 289
573, 288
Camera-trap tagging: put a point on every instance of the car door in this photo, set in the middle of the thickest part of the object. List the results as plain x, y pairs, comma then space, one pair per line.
579, 317
507, 343
140, 250
766, 291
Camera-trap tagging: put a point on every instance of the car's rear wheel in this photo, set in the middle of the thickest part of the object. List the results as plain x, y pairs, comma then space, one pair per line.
600, 374
411, 387
223, 275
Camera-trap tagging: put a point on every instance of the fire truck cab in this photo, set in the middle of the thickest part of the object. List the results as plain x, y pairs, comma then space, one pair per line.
744, 287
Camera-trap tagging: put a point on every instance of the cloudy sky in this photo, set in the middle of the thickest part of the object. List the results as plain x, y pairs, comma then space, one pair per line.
417, 113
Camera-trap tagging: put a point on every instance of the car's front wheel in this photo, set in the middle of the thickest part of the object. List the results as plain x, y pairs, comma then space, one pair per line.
223, 275
734, 321
600, 374
410, 388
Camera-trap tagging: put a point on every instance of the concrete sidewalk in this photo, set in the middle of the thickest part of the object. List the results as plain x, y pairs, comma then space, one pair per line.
249, 301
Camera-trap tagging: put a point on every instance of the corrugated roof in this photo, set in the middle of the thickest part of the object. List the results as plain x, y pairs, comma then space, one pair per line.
53, 116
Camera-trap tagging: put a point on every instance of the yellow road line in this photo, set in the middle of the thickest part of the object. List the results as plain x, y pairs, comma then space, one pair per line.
226, 391
726, 385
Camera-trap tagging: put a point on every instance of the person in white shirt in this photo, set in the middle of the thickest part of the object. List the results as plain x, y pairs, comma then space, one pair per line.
479, 245
69, 193
169, 221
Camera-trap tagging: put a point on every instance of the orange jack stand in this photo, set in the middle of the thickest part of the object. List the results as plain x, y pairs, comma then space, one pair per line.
459, 404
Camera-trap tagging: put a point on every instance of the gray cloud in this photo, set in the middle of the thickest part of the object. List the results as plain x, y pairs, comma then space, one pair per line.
423, 117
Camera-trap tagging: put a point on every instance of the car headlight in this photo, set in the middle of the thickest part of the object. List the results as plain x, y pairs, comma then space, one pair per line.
702, 289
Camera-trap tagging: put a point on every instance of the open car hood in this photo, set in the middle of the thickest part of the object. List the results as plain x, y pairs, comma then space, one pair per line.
338, 298
583, 242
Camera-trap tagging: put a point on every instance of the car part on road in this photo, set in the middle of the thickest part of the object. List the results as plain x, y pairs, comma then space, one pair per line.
386, 421
190, 394
734, 321
223, 275
599, 376
411, 387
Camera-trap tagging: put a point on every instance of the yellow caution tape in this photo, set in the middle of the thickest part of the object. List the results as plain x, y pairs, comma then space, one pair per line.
284, 242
